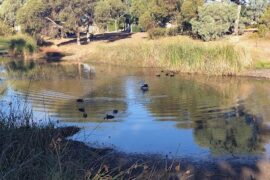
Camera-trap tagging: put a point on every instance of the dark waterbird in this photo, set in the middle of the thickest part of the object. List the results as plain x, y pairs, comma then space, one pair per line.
158, 75
80, 100
115, 111
108, 116
145, 87
81, 109
85, 115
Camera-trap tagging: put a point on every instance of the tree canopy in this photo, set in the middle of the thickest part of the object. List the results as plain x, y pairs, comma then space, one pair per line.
208, 20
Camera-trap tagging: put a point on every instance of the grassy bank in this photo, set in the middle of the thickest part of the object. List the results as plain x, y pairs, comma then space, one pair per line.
19, 45
177, 53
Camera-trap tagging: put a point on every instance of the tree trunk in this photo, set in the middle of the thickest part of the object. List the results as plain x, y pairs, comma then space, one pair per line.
236, 26
115, 25
88, 34
78, 37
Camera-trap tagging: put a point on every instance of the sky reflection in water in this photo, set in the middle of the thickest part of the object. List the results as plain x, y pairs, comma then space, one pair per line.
188, 115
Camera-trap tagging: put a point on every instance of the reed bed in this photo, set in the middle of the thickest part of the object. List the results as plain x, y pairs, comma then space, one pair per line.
178, 53
19, 45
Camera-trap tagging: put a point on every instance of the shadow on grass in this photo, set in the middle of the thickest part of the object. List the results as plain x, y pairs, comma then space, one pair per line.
109, 37
54, 56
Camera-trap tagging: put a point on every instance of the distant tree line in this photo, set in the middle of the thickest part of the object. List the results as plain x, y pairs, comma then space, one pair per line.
204, 19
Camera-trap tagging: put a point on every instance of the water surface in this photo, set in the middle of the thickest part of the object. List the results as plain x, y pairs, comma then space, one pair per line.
185, 116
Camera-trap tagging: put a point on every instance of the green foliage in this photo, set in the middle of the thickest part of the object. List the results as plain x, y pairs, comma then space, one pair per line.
146, 21
156, 33
214, 20
9, 9
32, 16
108, 10
5, 29
20, 45
253, 11
265, 19
262, 65
262, 30
155, 13
136, 28
189, 9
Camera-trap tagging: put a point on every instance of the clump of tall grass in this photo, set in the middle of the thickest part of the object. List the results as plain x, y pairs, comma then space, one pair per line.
185, 55
19, 45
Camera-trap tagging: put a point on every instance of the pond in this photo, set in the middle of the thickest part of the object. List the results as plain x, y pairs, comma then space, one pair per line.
193, 116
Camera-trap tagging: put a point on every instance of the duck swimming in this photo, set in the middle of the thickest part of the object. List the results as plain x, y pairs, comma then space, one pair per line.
81, 109
85, 115
108, 116
115, 111
145, 87
80, 100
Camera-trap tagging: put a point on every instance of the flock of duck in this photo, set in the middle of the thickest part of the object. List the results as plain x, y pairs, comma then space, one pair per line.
144, 88
107, 116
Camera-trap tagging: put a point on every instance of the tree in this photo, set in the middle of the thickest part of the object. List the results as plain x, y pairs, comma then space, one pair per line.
265, 18
108, 10
214, 20
155, 13
253, 10
76, 16
189, 10
5, 29
9, 9
31, 16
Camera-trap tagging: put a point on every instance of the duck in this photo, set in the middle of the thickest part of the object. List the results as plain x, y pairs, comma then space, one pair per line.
158, 75
85, 115
81, 109
108, 116
145, 87
115, 111
80, 100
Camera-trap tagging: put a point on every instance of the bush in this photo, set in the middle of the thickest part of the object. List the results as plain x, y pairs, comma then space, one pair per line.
156, 33
5, 29
214, 20
136, 28
174, 31
146, 21
20, 45
262, 30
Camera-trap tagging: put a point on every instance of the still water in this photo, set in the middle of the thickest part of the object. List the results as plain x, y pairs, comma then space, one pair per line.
185, 116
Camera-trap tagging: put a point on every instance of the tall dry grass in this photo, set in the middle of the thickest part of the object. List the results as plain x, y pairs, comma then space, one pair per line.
175, 53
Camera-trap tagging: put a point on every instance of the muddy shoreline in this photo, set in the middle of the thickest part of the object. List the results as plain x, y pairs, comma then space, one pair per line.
148, 166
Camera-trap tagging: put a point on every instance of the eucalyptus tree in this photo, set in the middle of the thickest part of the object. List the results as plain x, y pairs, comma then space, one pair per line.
153, 13
31, 17
76, 15
214, 20
109, 10
9, 9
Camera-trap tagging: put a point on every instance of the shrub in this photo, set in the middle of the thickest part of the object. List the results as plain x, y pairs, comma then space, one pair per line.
174, 31
5, 29
262, 30
146, 21
214, 20
265, 19
20, 45
156, 33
